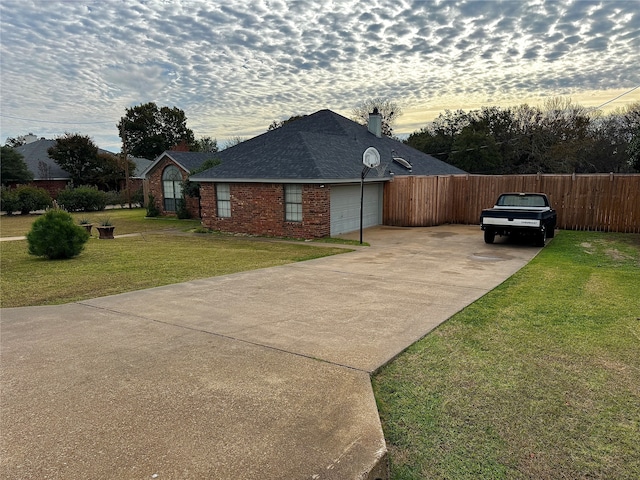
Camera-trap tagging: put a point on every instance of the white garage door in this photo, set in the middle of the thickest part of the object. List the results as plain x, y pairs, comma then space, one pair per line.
345, 207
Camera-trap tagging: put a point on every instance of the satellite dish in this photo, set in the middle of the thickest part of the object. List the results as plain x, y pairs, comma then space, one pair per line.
371, 158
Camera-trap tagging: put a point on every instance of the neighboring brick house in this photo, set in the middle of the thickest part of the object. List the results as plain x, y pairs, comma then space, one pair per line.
49, 175
300, 180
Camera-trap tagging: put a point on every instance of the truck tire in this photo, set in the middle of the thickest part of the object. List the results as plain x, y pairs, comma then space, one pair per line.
541, 236
489, 236
551, 231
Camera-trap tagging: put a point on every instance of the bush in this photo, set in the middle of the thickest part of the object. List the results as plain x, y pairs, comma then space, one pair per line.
8, 201
137, 197
25, 199
55, 236
116, 198
82, 199
152, 208
182, 211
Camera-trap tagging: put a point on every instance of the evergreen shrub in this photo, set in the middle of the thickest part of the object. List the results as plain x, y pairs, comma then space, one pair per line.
55, 236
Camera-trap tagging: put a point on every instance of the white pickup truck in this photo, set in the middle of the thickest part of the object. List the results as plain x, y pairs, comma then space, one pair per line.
520, 214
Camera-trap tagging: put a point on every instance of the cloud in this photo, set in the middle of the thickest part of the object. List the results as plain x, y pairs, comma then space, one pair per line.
245, 63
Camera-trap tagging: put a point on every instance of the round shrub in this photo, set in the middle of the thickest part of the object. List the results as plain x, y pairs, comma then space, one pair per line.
55, 236
82, 199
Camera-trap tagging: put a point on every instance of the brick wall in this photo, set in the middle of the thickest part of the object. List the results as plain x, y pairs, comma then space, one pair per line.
154, 187
258, 209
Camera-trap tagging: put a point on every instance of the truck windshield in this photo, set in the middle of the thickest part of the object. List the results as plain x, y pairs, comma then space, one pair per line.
521, 201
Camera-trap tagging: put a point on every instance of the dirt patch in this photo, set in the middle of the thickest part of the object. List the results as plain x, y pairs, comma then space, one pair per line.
587, 246
617, 255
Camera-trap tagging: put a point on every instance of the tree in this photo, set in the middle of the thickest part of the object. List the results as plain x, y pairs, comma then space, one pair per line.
632, 129
78, 155
388, 110
13, 167
277, 124
110, 170
149, 130
233, 141
20, 140
205, 144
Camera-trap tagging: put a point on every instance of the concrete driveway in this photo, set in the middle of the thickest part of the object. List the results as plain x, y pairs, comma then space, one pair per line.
257, 375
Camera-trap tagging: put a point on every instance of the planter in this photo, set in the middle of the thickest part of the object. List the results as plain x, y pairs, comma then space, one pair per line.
106, 232
87, 227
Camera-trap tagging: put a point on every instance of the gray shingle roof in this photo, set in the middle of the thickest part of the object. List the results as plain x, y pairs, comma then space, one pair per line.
38, 161
323, 146
44, 167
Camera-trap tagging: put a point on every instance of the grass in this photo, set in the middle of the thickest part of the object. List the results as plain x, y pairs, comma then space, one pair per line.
156, 257
125, 220
538, 379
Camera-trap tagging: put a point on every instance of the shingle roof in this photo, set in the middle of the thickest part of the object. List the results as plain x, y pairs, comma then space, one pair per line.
44, 167
323, 146
38, 161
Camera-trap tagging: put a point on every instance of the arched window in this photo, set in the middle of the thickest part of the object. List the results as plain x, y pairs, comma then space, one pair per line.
171, 188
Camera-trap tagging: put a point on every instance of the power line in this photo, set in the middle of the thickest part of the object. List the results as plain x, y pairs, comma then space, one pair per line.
614, 99
51, 121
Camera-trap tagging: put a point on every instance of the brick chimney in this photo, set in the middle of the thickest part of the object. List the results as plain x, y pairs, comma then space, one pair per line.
375, 123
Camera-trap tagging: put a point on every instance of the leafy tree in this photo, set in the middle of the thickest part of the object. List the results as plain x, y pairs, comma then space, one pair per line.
13, 167
559, 137
631, 120
475, 151
149, 130
78, 155
388, 109
110, 170
205, 144
438, 138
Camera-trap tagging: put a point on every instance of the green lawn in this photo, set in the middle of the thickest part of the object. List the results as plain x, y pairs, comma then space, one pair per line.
126, 221
539, 379
162, 254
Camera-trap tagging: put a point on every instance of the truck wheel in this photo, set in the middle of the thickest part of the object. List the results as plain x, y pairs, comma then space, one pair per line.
489, 236
540, 238
551, 231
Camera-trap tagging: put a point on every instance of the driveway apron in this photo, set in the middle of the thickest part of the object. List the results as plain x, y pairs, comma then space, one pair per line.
257, 375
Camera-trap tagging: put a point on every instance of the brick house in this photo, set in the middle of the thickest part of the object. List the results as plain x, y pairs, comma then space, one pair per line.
47, 174
301, 180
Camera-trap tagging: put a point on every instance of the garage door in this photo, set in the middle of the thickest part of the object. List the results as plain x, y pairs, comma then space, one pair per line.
345, 207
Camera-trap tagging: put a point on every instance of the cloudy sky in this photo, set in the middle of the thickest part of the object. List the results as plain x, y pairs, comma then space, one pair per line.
234, 66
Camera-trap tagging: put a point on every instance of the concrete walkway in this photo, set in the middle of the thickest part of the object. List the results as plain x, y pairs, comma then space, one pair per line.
257, 375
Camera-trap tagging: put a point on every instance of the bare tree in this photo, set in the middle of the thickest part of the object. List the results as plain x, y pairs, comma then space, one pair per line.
388, 110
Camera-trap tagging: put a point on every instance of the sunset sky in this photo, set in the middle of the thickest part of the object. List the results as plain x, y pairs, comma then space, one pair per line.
235, 66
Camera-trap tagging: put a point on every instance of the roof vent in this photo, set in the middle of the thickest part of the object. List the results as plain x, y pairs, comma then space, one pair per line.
403, 162
375, 123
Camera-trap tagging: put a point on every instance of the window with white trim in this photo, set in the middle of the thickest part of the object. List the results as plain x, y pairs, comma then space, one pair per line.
223, 196
293, 202
171, 188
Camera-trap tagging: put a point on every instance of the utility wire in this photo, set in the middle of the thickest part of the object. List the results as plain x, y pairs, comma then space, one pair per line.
614, 99
51, 121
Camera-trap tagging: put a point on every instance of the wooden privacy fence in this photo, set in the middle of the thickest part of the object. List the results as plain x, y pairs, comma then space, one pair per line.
599, 202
